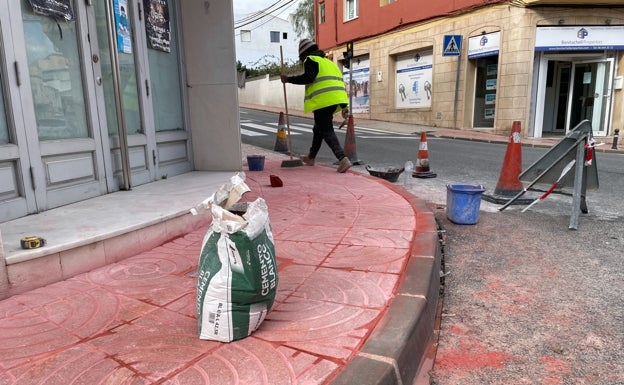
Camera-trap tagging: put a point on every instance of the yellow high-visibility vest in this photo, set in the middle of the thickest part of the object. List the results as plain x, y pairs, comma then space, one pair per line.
327, 89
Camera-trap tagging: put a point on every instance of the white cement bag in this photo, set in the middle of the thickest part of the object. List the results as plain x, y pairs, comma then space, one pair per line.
237, 273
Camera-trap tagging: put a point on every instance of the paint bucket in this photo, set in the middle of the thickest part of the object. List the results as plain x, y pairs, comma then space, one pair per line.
255, 162
463, 202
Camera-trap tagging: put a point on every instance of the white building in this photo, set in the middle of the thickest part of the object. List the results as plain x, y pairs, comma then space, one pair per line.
258, 39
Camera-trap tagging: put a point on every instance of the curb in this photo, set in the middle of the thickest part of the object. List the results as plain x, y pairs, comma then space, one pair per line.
397, 346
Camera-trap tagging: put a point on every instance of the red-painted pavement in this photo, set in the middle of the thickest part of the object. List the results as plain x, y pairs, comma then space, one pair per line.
342, 243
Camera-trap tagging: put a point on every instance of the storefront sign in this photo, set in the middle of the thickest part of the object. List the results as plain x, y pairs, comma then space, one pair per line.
54, 8
414, 74
157, 24
122, 24
579, 38
359, 73
484, 45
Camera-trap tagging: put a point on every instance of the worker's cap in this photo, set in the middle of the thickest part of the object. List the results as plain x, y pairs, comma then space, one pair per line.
305, 45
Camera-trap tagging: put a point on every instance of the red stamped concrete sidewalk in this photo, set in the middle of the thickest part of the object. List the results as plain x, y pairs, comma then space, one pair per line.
358, 285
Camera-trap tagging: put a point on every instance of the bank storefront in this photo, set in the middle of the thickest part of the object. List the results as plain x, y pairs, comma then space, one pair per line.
94, 97
575, 77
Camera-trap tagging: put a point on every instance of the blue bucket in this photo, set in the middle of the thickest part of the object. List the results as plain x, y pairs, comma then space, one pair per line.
255, 162
463, 202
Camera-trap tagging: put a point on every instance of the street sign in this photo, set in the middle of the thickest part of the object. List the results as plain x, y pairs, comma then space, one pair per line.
452, 45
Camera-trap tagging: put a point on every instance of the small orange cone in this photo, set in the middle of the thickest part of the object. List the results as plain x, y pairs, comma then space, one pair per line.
421, 168
508, 183
281, 144
349, 146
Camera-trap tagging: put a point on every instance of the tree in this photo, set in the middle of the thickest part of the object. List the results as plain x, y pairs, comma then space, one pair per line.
303, 19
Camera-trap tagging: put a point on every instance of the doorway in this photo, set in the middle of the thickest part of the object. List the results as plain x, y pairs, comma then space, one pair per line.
571, 90
79, 114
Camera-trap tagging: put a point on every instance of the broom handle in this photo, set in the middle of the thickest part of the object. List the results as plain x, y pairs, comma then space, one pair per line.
286, 103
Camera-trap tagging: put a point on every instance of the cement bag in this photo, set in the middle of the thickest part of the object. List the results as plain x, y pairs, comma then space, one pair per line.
237, 273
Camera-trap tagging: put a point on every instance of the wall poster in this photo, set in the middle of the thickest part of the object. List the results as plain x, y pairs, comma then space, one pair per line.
157, 24
414, 74
360, 83
122, 24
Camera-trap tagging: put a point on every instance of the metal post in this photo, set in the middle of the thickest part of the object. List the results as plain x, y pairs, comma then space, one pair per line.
121, 121
456, 100
578, 185
350, 90
615, 139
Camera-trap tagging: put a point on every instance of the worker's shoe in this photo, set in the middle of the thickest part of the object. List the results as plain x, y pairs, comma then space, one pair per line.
344, 165
307, 160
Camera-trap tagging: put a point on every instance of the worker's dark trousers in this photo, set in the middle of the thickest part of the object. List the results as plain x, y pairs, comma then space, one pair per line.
324, 130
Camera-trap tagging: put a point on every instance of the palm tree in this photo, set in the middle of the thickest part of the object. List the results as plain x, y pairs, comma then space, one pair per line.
303, 19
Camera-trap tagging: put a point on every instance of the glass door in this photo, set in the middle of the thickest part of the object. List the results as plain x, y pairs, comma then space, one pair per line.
17, 197
56, 138
119, 91
162, 47
591, 94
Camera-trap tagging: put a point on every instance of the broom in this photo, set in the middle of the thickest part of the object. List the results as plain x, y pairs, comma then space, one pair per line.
292, 162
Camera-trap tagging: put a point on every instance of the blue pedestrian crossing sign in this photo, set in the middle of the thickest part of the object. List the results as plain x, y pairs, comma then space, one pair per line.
452, 45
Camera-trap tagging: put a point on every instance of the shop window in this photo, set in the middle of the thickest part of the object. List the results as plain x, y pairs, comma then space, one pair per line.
55, 76
321, 13
414, 79
4, 127
350, 9
485, 91
245, 36
275, 37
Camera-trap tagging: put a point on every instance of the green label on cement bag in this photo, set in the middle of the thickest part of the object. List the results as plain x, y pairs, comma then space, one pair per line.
236, 284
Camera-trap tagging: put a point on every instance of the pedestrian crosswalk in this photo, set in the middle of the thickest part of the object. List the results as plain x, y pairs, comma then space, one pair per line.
253, 128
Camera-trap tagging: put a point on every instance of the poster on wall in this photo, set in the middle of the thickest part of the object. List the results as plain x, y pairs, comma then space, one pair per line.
54, 8
122, 24
359, 73
414, 74
157, 24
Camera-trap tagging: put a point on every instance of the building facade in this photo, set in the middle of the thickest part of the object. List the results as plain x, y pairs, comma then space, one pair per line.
481, 65
258, 40
101, 96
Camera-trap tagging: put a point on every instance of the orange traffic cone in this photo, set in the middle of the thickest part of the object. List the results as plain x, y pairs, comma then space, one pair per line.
509, 184
349, 146
421, 168
281, 144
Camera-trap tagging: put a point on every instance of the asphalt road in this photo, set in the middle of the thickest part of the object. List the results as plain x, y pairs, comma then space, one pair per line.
526, 300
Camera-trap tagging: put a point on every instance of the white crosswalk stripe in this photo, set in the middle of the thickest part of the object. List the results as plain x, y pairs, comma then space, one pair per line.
265, 128
251, 133
297, 129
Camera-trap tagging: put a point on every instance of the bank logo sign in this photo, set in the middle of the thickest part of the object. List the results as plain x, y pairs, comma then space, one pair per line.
484, 45
579, 38
582, 33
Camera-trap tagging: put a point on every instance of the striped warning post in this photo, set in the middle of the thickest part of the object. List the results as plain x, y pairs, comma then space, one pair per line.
281, 144
422, 167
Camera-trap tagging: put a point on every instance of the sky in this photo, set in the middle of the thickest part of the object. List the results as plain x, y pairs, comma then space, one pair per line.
246, 7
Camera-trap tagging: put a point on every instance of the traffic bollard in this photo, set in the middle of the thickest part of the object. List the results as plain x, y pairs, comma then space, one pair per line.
615, 139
